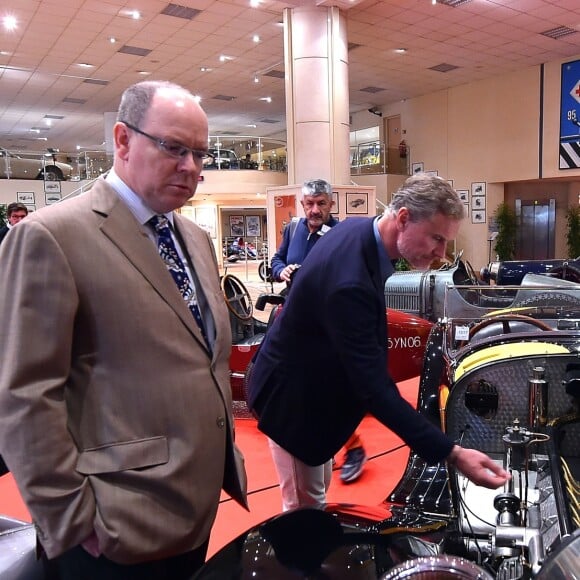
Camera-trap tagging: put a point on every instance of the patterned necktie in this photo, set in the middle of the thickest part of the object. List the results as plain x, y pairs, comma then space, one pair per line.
168, 253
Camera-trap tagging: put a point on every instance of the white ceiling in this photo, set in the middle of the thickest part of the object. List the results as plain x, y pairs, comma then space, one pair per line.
40, 73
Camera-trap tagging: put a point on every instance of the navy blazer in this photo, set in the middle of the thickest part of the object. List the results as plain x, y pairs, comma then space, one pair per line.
323, 364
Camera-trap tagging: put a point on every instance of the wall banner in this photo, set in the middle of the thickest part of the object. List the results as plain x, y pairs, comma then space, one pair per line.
570, 116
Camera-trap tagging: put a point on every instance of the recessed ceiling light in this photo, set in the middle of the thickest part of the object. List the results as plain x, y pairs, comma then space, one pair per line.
205, 69
85, 65
251, 125
256, 79
225, 58
256, 38
112, 39
135, 14
400, 50
10, 22
254, 3
143, 73
267, 99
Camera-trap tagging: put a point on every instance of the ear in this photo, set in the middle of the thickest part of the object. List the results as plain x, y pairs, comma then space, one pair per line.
121, 139
402, 218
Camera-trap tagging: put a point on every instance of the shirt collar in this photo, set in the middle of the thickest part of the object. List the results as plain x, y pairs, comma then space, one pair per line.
142, 212
385, 263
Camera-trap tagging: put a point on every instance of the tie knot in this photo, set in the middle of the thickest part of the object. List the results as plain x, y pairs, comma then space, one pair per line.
159, 222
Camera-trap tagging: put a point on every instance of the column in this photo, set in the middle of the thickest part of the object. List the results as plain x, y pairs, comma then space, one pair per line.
317, 103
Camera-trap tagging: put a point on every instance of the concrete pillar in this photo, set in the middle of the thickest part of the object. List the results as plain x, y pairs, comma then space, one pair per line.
317, 104
317, 118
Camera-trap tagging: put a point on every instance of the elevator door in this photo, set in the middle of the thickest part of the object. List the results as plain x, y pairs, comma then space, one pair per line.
536, 227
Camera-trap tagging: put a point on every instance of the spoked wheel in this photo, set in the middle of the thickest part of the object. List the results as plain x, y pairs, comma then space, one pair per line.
238, 299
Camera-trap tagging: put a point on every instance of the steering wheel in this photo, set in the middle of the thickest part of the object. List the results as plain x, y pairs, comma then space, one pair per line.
471, 273
238, 299
505, 320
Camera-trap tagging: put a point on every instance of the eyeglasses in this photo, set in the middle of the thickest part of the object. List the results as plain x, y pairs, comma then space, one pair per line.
172, 148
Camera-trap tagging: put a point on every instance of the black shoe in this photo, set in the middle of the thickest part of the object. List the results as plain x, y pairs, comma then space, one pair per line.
353, 464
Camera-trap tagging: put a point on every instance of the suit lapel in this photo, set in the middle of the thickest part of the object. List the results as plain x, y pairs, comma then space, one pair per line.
132, 240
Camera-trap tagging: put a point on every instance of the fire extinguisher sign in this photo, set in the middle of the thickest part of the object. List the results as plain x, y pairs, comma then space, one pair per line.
570, 116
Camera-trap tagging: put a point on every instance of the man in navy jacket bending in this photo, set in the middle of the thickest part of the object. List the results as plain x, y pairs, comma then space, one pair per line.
323, 364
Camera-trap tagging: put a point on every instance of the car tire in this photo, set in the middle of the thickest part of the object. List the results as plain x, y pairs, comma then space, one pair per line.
51, 173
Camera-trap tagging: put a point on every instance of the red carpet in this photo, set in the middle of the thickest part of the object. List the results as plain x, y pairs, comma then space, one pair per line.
386, 460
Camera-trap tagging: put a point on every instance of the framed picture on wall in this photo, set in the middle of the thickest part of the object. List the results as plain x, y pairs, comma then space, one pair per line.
253, 227
357, 203
335, 207
30, 207
52, 186
25, 197
478, 216
478, 201
478, 188
237, 226
50, 198
417, 167
432, 173
463, 195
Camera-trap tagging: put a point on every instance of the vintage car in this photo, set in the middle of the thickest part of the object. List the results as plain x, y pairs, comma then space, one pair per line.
512, 271
455, 290
221, 159
407, 334
508, 385
16, 166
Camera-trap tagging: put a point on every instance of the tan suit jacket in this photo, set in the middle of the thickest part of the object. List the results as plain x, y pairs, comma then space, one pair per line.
112, 415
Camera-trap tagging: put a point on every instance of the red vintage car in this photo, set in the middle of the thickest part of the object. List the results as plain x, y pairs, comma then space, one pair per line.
407, 334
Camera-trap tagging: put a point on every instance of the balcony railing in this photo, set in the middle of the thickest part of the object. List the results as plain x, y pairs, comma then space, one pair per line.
226, 153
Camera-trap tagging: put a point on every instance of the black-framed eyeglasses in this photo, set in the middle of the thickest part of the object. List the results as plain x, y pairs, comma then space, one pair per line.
172, 148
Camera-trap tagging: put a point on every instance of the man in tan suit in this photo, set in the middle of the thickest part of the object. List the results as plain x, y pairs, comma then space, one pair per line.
115, 411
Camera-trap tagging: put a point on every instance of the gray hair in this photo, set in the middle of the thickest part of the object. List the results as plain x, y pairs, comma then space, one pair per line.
137, 98
426, 195
316, 187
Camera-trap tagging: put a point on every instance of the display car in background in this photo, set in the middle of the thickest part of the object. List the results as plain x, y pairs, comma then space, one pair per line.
221, 159
23, 166
508, 385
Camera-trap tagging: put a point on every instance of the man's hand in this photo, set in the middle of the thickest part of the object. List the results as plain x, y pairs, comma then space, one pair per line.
286, 273
478, 467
